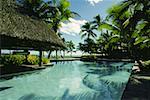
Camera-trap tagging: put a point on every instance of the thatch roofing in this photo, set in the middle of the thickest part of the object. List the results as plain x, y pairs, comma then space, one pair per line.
18, 30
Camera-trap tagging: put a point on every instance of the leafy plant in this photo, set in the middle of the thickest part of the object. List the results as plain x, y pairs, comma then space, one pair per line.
89, 57
146, 65
70, 46
33, 60
87, 30
45, 60
12, 60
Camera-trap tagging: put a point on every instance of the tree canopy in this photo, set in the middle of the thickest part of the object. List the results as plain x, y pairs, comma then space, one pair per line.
126, 28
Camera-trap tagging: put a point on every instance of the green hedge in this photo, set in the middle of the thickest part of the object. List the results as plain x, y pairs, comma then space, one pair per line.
17, 60
45, 60
89, 56
32, 60
12, 60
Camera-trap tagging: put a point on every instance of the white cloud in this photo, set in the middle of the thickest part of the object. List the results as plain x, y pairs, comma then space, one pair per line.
73, 27
93, 2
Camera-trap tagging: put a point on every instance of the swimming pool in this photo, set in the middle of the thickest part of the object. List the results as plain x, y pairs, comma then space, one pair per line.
73, 80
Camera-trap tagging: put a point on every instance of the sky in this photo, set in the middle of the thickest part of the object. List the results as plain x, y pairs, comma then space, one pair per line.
87, 9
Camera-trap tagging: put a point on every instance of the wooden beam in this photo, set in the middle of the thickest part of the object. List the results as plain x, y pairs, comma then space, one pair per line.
15, 43
40, 58
0, 52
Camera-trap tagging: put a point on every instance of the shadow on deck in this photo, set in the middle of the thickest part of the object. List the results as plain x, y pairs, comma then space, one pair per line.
138, 88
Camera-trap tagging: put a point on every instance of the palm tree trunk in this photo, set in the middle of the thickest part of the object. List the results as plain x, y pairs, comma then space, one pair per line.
64, 52
71, 54
49, 54
56, 55
0, 52
40, 57
60, 53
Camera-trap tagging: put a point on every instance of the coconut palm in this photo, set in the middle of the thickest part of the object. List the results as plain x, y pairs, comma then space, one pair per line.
133, 21
90, 46
81, 47
70, 46
61, 14
98, 22
87, 30
138, 20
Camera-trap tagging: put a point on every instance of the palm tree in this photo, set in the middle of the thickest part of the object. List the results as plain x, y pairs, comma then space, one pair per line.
139, 18
87, 30
132, 16
90, 46
98, 22
62, 13
129, 24
81, 47
104, 42
70, 46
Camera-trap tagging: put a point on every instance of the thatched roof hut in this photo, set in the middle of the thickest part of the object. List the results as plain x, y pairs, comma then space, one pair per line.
20, 31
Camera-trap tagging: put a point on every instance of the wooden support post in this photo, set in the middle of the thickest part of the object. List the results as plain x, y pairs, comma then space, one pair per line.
49, 54
26, 55
0, 52
40, 58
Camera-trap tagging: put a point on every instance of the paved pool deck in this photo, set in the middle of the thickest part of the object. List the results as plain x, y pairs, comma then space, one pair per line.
138, 88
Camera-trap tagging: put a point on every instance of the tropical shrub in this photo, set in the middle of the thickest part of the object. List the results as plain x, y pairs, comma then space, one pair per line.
146, 65
147, 62
33, 60
17, 60
45, 60
12, 60
88, 57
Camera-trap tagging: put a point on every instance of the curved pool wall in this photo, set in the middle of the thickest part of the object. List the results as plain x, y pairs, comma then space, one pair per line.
74, 80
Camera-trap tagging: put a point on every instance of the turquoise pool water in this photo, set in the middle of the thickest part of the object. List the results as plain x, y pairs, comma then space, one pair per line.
74, 80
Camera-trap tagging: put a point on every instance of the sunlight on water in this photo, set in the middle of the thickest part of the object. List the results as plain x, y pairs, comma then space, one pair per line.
69, 81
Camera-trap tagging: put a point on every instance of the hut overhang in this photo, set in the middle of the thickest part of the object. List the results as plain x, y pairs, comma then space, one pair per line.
21, 31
